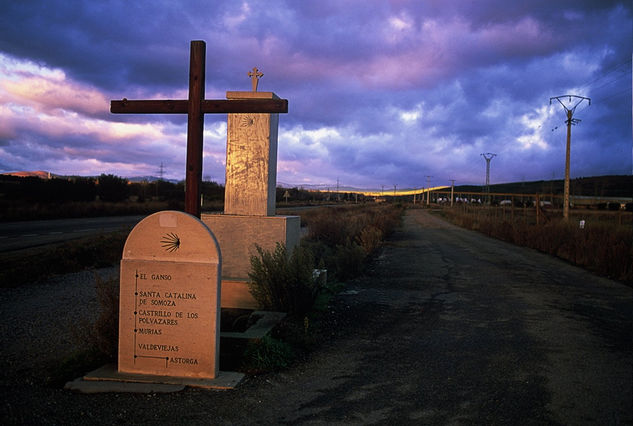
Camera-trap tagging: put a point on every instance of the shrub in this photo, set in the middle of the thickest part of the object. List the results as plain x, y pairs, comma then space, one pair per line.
321, 252
349, 259
282, 282
370, 238
335, 225
106, 328
267, 354
330, 226
341, 238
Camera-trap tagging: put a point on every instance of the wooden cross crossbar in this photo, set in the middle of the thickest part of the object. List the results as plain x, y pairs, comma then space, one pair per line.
195, 107
208, 106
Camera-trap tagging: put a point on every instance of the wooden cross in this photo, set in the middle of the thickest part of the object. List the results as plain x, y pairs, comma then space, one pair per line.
195, 107
255, 75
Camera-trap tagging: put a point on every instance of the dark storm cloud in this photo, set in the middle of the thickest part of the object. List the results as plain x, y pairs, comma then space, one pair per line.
378, 90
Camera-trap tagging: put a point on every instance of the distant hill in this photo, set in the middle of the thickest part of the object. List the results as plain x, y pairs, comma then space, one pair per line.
48, 175
137, 179
40, 174
597, 186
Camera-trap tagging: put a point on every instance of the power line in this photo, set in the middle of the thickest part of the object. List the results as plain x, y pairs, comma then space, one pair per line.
622, 67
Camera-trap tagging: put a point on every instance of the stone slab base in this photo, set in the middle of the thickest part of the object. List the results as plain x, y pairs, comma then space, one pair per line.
108, 379
266, 322
238, 235
93, 386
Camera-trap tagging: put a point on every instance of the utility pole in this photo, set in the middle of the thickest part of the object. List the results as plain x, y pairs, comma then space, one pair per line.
570, 120
488, 156
452, 188
428, 192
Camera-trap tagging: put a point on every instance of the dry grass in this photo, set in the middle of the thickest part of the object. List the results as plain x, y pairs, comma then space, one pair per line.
365, 225
282, 281
603, 246
343, 238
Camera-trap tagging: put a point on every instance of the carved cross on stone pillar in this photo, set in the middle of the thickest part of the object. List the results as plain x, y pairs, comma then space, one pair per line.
255, 76
195, 107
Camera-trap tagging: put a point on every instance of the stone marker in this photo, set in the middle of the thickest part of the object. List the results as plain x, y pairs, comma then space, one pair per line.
251, 160
249, 203
169, 318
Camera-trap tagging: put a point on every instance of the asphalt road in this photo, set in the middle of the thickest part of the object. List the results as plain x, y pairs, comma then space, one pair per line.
472, 330
449, 327
26, 234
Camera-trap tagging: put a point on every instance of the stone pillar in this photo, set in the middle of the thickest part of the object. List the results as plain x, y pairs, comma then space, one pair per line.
251, 160
249, 204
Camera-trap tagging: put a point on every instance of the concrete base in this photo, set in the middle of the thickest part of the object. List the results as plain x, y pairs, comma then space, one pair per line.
108, 379
238, 235
265, 323
235, 294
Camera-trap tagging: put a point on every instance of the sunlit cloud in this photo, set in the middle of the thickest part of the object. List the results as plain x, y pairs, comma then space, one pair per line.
45, 103
232, 20
533, 128
45, 89
409, 116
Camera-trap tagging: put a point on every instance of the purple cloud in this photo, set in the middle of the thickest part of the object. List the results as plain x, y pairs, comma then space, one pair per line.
380, 93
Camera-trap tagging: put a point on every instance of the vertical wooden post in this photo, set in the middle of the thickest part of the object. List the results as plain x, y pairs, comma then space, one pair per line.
195, 127
538, 208
566, 184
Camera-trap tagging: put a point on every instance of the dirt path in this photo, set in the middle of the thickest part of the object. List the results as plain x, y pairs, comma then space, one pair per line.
449, 327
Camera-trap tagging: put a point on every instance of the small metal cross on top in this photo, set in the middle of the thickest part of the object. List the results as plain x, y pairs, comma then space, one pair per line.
255, 76
195, 107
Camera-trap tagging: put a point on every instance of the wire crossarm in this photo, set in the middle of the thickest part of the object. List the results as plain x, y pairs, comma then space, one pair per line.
572, 109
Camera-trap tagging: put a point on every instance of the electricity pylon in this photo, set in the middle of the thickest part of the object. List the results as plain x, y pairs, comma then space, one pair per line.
488, 156
570, 120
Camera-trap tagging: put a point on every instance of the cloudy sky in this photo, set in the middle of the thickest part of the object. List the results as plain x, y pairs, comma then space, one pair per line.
380, 92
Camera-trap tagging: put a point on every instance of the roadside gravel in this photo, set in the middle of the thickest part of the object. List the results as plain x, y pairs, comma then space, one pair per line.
41, 321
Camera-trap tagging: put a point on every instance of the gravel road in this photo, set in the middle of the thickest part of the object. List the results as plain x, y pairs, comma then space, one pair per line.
447, 327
